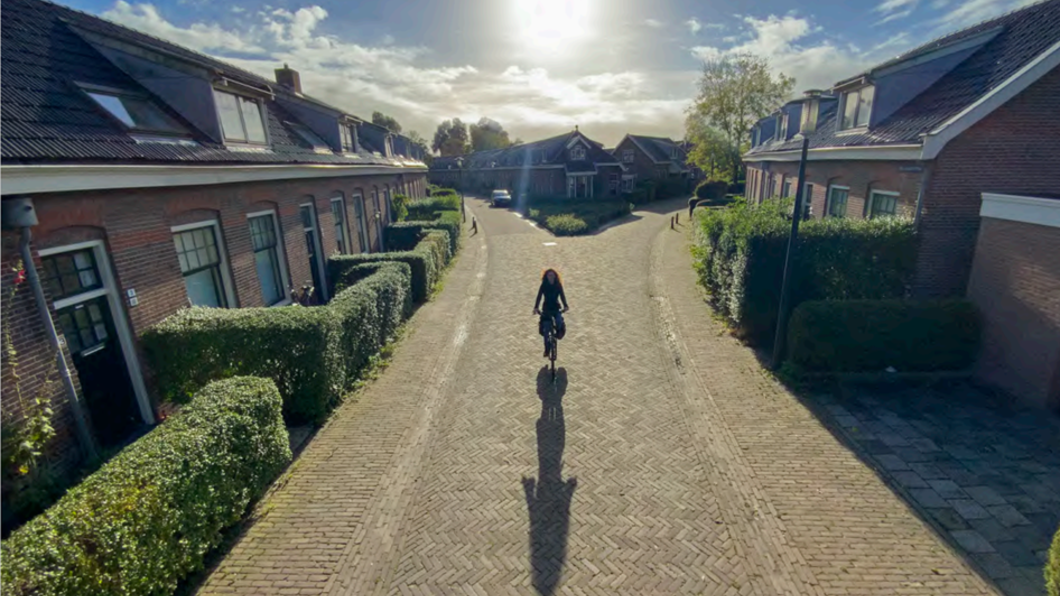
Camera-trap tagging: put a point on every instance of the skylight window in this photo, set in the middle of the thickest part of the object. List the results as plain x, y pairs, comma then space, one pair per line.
308, 136
136, 112
857, 107
241, 118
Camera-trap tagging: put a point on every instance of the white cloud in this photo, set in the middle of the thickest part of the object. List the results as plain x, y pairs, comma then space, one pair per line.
530, 102
889, 6
974, 11
788, 44
894, 16
653, 23
694, 25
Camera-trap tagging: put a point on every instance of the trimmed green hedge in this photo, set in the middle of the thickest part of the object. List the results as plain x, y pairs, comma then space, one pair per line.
739, 256
308, 352
425, 265
566, 225
146, 519
712, 189
406, 235
1052, 568
871, 335
593, 212
425, 209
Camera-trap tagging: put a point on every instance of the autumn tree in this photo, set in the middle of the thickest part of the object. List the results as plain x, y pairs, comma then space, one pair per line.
734, 92
488, 134
387, 122
451, 138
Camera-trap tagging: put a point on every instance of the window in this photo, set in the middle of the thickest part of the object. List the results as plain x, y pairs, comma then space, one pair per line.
577, 153
200, 264
71, 273
362, 223
264, 240
837, 201
342, 232
809, 117
807, 201
882, 204
349, 137
241, 118
136, 111
857, 106
308, 136
786, 193
627, 156
783, 131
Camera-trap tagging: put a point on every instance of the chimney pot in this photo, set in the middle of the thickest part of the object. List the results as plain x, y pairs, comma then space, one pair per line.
288, 77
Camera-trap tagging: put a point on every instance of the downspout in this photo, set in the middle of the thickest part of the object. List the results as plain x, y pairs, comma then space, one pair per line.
84, 436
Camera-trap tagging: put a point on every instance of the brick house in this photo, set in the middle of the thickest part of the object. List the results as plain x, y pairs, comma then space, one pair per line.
928, 135
148, 177
644, 158
570, 165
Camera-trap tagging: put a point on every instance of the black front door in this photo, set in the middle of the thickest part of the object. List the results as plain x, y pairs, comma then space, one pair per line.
100, 364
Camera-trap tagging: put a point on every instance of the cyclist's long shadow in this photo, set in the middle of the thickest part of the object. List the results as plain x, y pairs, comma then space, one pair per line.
548, 498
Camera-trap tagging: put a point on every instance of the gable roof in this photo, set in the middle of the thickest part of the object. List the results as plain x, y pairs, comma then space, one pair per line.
546, 152
47, 119
1013, 42
659, 149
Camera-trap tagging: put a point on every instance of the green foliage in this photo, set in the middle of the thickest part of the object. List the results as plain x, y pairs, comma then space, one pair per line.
423, 260
1052, 568
870, 335
401, 207
488, 134
425, 209
405, 235
451, 138
437, 191
566, 225
303, 350
712, 189
593, 212
145, 520
369, 311
387, 122
740, 250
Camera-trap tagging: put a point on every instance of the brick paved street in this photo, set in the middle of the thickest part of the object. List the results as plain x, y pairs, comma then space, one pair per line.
662, 460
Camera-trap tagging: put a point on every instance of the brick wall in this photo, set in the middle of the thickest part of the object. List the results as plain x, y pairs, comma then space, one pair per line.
862, 177
135, 225
643, 165
1015, 282
1011, 151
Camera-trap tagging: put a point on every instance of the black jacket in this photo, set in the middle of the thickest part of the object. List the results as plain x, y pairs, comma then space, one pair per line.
553, 294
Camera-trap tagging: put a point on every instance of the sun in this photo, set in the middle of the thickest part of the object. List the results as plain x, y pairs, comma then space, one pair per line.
552, 25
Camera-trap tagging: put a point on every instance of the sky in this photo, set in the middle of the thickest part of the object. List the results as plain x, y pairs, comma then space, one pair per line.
541, 67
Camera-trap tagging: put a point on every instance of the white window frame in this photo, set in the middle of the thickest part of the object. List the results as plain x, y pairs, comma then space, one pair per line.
281, 249
807, 198
782, 132
242, 119
856, 95
318, 241
828, 200
628, 156
580, 155
886, 193
364, 242
226, 275
346, 240
121, 323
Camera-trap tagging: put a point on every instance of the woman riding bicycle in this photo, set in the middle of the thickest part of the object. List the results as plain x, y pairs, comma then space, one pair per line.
552, 291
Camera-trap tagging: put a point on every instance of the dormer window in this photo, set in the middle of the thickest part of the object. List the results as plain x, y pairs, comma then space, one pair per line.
673, 152
627, 156
808, 122
388, 146
577, 153
782, 130
135, 111
348, 131
308, 136
857, 107
241, 118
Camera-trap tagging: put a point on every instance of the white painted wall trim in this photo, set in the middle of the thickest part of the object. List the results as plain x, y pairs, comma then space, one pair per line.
222, 250
878, 152
1032, 210
30, 179
935, 140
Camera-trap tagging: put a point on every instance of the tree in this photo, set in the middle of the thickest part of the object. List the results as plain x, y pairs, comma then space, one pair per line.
488, 134
710, 150
420, 142
451, 138
387, 122
735, 92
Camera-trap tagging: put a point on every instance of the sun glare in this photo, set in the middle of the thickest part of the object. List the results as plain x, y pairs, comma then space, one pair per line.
552, 25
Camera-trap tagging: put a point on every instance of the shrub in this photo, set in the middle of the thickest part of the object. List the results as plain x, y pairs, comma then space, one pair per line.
401, 209
405, 235
566, 225
712, 189
297, 347
303, 350
870, 335
740, 253
1052, 568
422, 261
425, 209
593, 212
438, 191
145, 520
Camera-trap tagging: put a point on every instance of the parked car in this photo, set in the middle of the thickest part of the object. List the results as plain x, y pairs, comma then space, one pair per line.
501, 198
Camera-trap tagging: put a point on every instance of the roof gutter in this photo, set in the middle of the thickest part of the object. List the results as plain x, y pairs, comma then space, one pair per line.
909, 152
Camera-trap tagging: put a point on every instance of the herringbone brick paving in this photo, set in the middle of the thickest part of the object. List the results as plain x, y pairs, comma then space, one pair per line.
661, 461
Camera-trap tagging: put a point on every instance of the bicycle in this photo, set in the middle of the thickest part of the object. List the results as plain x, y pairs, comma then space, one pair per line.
552, 343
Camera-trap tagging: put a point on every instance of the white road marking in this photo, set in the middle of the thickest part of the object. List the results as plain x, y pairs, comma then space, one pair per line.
549, 243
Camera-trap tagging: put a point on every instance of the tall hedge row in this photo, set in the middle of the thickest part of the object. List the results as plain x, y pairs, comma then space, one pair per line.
425, 209
405, 235
872, 335
145, 520
424, 262
309, 352
740, 252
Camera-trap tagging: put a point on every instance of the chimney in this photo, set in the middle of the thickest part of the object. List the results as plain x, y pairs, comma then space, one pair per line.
288, 77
